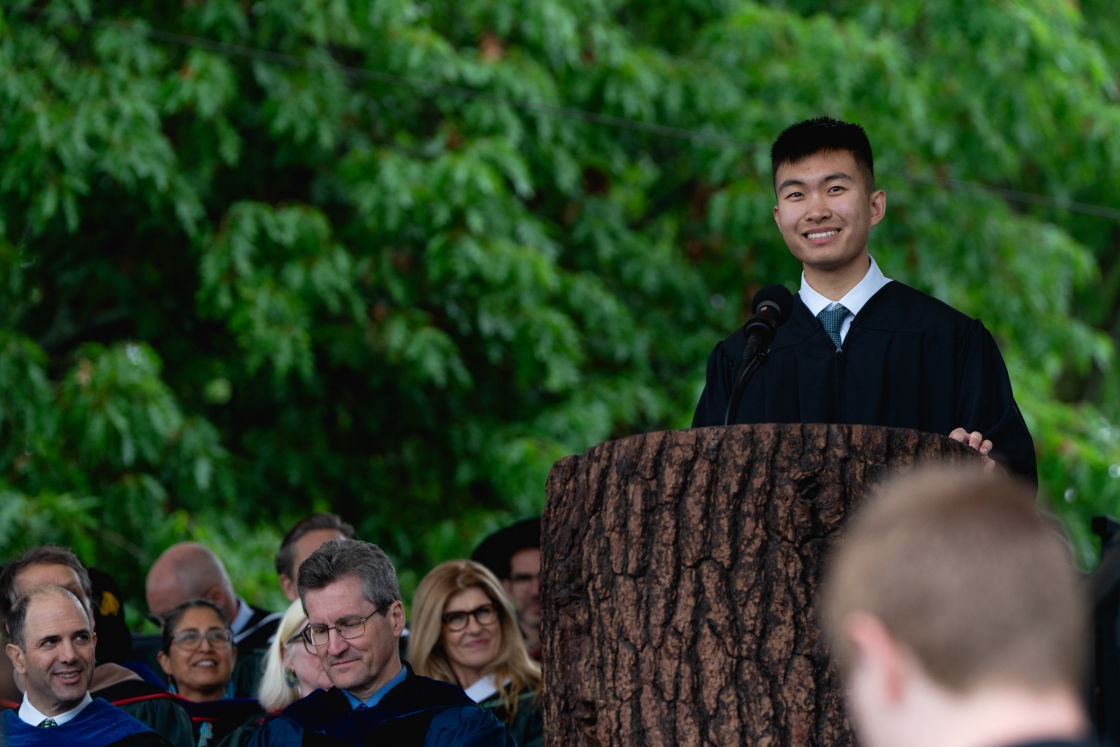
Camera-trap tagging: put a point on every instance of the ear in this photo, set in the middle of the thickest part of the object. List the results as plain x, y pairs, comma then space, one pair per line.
877, 656
15, 653
776, 216
164, 662
396, 617
878, 201
507, 584
288, 586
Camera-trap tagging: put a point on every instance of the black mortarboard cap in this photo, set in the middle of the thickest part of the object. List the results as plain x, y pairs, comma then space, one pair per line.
494, 552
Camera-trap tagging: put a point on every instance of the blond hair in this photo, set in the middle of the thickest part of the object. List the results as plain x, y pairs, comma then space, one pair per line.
274, 692
963, 571
514, 672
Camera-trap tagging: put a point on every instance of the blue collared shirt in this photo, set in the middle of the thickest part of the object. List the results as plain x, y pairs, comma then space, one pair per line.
374, 699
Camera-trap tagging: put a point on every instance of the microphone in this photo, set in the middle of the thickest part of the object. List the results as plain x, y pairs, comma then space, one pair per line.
771, 308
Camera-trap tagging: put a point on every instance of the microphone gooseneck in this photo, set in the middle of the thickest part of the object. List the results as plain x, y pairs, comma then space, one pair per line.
771, 308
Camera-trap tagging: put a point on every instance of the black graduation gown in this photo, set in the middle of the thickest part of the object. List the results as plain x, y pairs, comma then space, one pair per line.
908, 361
152, 706
404, 716
214, 720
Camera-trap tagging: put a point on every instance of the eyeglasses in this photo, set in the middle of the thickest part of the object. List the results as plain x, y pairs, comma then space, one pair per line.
487, 614
349, 628
299, 637
191, 638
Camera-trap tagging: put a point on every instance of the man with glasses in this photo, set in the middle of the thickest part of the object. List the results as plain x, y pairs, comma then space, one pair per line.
52, 649
355, 616
144, 701
513, 555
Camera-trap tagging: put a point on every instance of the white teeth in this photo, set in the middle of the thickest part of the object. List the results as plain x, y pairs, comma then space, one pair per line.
822, 235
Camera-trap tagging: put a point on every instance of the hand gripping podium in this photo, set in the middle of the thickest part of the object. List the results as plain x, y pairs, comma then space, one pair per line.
680, 573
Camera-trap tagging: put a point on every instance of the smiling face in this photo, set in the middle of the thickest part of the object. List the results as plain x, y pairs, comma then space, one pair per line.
472, 650
201, 668
825, 213
57, 658
369, 660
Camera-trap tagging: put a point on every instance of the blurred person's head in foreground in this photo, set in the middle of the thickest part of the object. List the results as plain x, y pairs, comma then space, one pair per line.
292, 669
513, 554
354, 613
304, 538
956, 617
464, 632
197, 652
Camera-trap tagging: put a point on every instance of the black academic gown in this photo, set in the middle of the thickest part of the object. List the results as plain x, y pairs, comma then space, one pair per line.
152, 706
98, 725
908, 361
215, 720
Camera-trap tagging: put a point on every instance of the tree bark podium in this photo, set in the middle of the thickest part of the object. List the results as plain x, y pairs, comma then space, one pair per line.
680, 573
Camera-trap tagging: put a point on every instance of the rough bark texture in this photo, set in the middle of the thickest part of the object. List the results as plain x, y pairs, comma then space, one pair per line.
680, 571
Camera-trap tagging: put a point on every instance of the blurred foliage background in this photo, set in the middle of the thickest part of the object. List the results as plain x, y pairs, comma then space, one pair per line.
263, 258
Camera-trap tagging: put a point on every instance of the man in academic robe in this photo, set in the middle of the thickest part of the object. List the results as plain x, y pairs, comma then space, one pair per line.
349, 591
52, 650
121, 687
858, 347
305, 537
513, 554
190, 571
956, 616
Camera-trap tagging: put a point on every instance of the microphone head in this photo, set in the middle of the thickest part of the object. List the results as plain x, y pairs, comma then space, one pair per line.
777, 296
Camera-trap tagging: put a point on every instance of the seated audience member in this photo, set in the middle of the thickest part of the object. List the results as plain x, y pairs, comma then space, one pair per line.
956, 617
513, 555
303, 539
464, 632
147, 703
190, 571
197, 655
292, 671
355, 615
52, 650
292, 668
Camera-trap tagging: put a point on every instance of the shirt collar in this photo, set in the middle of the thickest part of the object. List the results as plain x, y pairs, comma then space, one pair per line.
854, 300
485, 688
374, 699
244, 615
29, 714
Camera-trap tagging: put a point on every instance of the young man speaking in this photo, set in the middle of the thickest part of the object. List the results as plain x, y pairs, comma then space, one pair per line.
858, 347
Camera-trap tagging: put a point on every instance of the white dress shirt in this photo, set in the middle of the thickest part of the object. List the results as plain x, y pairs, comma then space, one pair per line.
483, 689
29, 714
853, 300
244, 615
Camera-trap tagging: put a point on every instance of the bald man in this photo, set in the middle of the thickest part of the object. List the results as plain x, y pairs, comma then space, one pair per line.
190, 571
52, 648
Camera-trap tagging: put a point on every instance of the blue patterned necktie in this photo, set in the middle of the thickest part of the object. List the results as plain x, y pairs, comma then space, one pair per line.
47, 723
832, 320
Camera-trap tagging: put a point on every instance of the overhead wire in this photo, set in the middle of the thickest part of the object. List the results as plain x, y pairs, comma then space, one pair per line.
697, 137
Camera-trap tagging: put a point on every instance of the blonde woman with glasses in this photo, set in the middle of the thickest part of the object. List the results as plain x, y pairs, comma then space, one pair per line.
464, 632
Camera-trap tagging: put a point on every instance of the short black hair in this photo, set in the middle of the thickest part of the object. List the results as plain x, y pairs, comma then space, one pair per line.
495, 551
311, 523
172, 618
812, 136
42, 555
